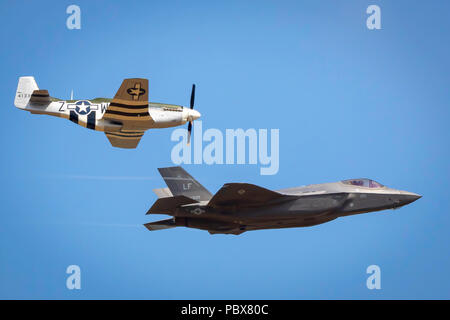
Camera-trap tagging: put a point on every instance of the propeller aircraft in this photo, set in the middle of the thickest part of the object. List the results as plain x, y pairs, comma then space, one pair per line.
124, 118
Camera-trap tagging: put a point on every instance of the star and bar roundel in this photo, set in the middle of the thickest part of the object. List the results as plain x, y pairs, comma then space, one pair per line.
83, 108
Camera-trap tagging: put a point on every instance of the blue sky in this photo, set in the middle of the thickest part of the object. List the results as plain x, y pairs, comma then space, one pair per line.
349, 102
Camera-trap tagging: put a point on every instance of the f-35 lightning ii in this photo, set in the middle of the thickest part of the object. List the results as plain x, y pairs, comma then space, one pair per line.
240, 207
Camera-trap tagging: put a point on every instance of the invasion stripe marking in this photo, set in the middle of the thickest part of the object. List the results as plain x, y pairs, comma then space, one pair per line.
91, 121
127, 110
73, 117
128, 132
127, 114
129, 102
125, 135
115, 117
40, 95
123, 138
120, 133
128, 106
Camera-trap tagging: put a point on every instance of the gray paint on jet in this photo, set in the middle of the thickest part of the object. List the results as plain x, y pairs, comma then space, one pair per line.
240, 207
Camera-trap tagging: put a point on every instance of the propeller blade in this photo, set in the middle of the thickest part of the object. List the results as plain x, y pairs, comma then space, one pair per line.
189, 132
192, 96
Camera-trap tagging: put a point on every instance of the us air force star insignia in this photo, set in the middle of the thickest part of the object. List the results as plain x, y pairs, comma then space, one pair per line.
136, 91
197, 211
82, 107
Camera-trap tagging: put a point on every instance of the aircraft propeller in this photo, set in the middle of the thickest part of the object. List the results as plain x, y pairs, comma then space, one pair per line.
192, 115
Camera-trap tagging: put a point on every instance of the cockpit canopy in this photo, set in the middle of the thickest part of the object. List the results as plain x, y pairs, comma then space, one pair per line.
367, 183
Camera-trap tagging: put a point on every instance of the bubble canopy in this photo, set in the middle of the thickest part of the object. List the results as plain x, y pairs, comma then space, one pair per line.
367, 183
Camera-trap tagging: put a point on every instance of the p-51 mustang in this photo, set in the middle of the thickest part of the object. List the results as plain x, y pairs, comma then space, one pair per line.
124, 119
240, 207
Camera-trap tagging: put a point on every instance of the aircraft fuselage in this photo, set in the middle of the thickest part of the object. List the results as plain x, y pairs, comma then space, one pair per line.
89, 114
302, 206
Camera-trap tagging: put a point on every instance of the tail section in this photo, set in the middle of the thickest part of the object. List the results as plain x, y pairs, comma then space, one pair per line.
182, 183
169, 204
25, 89
182, 190
159, 225
163, 192
40, 97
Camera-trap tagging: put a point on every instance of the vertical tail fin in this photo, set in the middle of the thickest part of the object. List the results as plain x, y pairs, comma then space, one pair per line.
25, 88
182, 183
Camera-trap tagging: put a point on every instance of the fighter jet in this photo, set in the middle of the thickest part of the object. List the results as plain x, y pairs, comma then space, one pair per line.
124, 119
240, 207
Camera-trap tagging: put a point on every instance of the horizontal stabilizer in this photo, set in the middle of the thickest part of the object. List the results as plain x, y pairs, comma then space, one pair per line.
167, 205
40, 97
243, 195
160, 225
163, 192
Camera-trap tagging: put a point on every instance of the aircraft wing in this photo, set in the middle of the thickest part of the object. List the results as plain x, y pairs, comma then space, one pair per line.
124, 139
129, 107
130, 102
243, 195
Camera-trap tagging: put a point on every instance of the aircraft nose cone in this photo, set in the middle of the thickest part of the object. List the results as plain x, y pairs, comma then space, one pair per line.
413, 197
408, 197
194, 114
